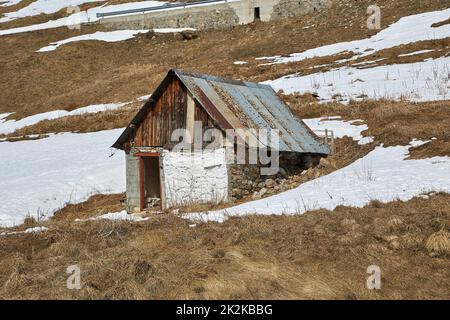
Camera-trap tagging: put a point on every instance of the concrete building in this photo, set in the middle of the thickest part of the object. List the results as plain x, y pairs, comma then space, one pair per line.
199, 110
211, 14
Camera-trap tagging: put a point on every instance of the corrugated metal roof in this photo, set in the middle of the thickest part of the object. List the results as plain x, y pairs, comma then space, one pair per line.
240, 105
252, 105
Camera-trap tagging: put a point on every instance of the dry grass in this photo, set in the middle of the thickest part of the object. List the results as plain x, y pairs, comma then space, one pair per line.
94, 206
323, 64
441, 23
391, 123
92, 72
318, 255
93, 122
439, 243
42, 18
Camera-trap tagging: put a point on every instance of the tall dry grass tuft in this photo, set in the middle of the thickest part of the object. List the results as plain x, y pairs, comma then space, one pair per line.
438, 243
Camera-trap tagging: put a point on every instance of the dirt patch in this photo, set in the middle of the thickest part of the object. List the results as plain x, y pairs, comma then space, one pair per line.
321, 254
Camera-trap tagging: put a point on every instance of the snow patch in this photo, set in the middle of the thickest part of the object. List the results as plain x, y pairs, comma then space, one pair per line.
382, 175
111, 36
81, 17
29, 230
340, 128
108, 36
421, 81
406, 30
415, 53
43, 7
4, 115
145, 97
118, 216
172, 30
41, 176
9, 3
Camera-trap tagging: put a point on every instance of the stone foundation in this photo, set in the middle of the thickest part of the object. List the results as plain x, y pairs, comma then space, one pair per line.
246, 179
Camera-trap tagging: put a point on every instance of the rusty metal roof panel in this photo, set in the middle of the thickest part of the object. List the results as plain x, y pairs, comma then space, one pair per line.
244, 104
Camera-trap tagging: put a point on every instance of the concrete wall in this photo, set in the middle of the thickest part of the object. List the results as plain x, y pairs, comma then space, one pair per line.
132, 181
216, 15
194, 177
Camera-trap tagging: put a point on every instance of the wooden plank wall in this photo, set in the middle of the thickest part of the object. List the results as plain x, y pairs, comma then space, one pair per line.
168, 114
203, 116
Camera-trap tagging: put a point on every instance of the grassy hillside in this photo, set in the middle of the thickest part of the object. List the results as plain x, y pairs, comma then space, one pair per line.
321, 255
91, 72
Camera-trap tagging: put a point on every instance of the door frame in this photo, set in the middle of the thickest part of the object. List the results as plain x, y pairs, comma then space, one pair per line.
141, 156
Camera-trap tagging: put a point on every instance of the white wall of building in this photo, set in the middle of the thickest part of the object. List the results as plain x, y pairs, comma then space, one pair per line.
197, 177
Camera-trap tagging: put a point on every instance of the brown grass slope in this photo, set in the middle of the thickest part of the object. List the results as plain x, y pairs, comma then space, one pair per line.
94, 72
318, 255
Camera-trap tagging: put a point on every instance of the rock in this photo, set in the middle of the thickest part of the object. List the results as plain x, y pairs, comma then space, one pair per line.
324, 162
270, 183
236, 191
310, 161
296, 178
189, 35
316, 174
256, 196
150, 34
262, 192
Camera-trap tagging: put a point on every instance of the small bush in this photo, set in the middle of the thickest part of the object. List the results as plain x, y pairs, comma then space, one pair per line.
439, 243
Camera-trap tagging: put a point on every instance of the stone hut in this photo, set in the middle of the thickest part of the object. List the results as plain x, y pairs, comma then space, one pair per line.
200, 113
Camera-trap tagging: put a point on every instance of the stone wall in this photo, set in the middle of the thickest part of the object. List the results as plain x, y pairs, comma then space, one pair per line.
198, 19
247, 181
290, 8
216, 15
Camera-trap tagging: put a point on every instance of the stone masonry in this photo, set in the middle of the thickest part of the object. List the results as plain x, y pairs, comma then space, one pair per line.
216, 15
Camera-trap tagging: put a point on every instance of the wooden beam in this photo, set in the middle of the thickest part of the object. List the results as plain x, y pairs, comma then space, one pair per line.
190, 116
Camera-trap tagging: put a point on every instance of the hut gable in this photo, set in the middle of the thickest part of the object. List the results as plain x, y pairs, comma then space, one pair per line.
166, 113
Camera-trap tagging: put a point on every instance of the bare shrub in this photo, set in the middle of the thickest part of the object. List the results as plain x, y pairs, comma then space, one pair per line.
438, 243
